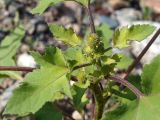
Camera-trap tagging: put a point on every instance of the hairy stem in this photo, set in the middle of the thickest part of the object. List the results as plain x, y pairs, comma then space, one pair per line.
99, 101
127, 84
137, 60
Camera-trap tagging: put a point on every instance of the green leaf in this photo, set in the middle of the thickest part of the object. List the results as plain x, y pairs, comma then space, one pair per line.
125, 61
8, 49
106, 33
136, 32
147, 107
48, 112
43, 5
78, 98
75, 54
39, 87
150, 77
52, 56
66, 35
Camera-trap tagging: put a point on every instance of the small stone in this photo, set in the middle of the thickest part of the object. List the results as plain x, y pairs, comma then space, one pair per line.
41, 27
24, 48
30, 26
64, 20
12, 9
26, 60
39, 46
7, 23
76, 115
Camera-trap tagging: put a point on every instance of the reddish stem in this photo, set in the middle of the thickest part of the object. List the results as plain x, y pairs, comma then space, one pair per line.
127, 84
14, 68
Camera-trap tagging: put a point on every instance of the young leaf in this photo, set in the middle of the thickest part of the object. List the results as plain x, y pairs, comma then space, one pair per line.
106, 33
136, 32
66, 35
8, 49
39, 87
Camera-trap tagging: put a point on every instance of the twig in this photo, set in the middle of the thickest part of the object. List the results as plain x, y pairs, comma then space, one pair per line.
30, 69
93, 29
137, 60
14, 68
127, 84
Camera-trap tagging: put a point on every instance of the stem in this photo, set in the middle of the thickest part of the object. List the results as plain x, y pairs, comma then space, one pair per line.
99, 101
30, 69
137, 60
14, 68
81, 66
127, 84
106, 50
93, 29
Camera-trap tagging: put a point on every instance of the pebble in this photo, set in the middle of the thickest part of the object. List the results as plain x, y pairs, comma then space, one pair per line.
76, 115
64, 20
30, 26
26, 60
41, 27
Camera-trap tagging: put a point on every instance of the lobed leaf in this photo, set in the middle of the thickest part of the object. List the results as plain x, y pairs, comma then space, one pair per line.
136, 32
41, 86
66, 35
106, 33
